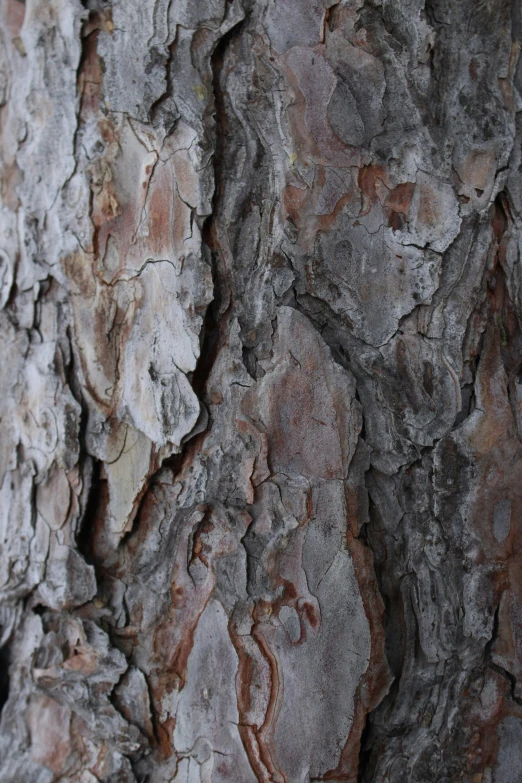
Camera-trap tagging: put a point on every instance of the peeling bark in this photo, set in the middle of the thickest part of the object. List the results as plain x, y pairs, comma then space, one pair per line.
261, 407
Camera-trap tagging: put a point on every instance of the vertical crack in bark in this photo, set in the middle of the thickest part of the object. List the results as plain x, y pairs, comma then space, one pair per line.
4, 674
217, 614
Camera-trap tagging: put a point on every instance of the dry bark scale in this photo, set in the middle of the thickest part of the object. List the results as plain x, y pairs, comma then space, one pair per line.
261, 391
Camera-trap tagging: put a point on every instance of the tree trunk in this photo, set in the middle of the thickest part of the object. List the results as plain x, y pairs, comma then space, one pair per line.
261, 391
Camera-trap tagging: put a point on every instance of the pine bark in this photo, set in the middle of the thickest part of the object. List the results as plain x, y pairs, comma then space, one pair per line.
261, 391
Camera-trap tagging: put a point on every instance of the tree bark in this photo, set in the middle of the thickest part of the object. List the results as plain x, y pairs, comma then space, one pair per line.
261, 401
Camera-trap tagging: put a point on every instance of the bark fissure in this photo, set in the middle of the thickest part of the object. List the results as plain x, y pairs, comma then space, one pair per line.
261, 425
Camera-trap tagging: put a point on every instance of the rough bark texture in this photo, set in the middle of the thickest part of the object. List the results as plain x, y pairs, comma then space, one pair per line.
261, 391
